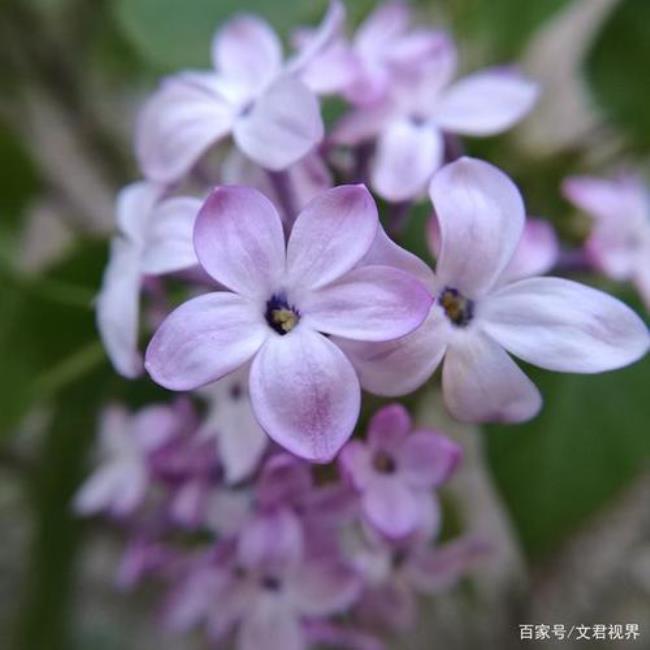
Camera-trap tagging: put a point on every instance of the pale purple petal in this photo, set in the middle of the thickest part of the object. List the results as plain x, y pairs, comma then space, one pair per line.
355, 462
389, 427
247, 49
398, 367
485, 103
361, 125
384, 251
118, 307
562, 325
386, 23
370, 303
273, 541
481, 218
282, 125
168, 246
432, 571
617, 200
391, 605
283, 479
321, 40
134, 206
271, 625
332, 71
152, 426
407, 156
178, 124
205, 339
239, 241
188, 504
536, 254
481, 383
427, 459
390, 507
331, 235
323, 588
305, 394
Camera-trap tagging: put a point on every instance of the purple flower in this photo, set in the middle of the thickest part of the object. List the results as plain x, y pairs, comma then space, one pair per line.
396, 469
154, 238
409, 125
119, 484
273, 117
619, 243
382, 53
231, 422
267, 588
284, 304
549, 322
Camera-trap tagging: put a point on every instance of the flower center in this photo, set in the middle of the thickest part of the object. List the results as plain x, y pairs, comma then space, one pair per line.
384, 463
271, 583
459, 310
281, 316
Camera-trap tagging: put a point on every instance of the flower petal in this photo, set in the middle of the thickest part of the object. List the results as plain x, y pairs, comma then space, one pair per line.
485, 103
169, 246
407, 156
355, 463
305, 394
118, 307
428, 459
332, 233
398, 367
389, 427
391, 507
239, 241
385, 252
361, 125
481, 383
324, 587
271, 625
203, 340
283, 125
322, 38
180, 121
536, 254
385, 24
562, 325
481, 218
248, 50
370, 303
134, 206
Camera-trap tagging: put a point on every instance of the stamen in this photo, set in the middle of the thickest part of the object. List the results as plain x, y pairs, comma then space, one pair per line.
281, 316
459, 310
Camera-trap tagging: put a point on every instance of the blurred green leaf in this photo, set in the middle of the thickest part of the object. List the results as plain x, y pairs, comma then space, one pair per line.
177, 33
617, 69
47, 331
590, 439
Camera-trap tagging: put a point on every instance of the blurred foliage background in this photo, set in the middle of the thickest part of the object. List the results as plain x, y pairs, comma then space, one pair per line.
72, 75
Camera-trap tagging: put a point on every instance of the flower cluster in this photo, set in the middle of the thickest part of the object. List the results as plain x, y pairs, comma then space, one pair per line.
271, 296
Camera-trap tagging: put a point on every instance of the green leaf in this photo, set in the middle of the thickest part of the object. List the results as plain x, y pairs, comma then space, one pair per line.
590, 439
47, 330
174, 34
617, 69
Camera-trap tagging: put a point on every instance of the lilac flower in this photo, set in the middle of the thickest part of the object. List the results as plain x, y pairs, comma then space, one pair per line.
396, 469
384, 50
267, 588
273, 117
154, 237
282, 303
410, 123
549, 322
230, 420
118, 485
415, 568
619, 243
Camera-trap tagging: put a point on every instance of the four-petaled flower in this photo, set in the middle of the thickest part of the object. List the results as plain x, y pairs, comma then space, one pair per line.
283, 305
476, 319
